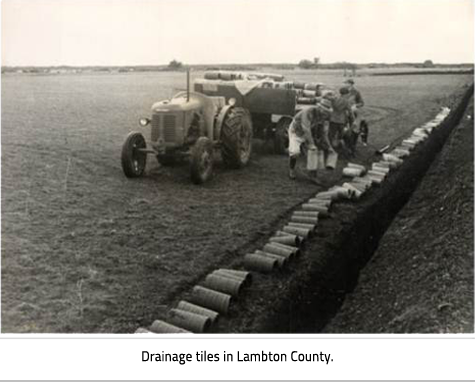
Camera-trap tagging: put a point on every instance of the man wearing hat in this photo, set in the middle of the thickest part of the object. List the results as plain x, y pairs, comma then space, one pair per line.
358, 125
342, 115
356, 99
310, 127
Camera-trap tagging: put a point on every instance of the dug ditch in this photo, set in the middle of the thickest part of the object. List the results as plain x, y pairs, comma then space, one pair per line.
305, 297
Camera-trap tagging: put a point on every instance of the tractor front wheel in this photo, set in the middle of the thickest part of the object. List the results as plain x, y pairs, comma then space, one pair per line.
281, 135
133, 160
236, 138
201, 160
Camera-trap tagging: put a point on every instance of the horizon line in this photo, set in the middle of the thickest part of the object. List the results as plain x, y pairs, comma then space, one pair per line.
244, 64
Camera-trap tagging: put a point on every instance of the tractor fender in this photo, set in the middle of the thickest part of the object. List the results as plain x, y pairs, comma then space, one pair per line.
219, 121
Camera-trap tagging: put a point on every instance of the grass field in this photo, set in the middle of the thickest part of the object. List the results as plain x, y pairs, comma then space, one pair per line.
86, 250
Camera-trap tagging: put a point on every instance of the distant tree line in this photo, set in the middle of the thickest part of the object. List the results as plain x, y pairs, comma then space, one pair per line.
176, 65
307, 64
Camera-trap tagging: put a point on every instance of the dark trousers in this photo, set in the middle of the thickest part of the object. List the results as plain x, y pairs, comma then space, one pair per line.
336, 133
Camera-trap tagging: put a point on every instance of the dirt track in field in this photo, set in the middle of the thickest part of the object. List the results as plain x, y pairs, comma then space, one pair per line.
86, 250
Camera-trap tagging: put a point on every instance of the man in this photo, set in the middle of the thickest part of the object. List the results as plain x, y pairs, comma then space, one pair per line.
358, 125
356, 100
309, 127
342, 115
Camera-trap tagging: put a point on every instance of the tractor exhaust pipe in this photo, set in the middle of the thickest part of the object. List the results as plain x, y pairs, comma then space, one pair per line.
188, 84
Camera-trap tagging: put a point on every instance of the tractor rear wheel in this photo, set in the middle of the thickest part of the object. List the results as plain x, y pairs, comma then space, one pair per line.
281, 136
133, 160
201, 160
236, 138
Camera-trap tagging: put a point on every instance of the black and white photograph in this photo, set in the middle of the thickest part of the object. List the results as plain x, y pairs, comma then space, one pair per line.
237, 166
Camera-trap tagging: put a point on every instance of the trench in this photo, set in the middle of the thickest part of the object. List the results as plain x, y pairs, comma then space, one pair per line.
307, 299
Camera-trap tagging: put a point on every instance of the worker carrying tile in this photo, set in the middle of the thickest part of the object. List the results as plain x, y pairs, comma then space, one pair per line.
309, 127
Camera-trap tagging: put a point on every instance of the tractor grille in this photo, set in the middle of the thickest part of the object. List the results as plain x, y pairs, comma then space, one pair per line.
169, 128
164, 127
155, 127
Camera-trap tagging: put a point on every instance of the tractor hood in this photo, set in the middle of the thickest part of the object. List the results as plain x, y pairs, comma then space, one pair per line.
176, 104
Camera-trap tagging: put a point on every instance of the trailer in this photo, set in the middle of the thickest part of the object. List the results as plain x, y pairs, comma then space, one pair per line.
271, 101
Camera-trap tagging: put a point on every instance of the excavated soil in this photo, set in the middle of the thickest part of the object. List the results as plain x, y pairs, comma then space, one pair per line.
420, 279
305, 299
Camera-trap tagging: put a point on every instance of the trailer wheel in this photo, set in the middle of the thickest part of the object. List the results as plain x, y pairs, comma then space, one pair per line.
236, 138
134, 161
201, 160
281, 137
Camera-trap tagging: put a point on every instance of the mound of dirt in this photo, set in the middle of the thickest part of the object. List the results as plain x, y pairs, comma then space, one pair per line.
420, 279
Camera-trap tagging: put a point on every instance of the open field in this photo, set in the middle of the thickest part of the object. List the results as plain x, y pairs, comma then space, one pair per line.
86, 250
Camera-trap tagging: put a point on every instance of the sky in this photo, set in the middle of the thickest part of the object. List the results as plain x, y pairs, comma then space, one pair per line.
152, 32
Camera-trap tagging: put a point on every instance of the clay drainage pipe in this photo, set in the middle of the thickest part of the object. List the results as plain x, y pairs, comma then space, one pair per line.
305, 226
303, 232
300, 241
376, 179
281, 250
311, 214
282, 262
366, 181
224, 284
260, 263
286, 240
392, 159
211, 299
159, 326
327, 195
377, 173
410, 144
355, 191
402, 146
189, 307
379, 168
400, 152
292, 249
352, 172
314, 208
240, 274
304, 219
385, 164
357, 166
143, 332
320, 202
359, 186
342, 192
190, 321
246, 281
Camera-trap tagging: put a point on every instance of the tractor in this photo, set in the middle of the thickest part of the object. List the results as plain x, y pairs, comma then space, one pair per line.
271, 101
191, 125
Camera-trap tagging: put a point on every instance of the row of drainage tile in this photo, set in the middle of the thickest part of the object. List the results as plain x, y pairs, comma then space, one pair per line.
214, 296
